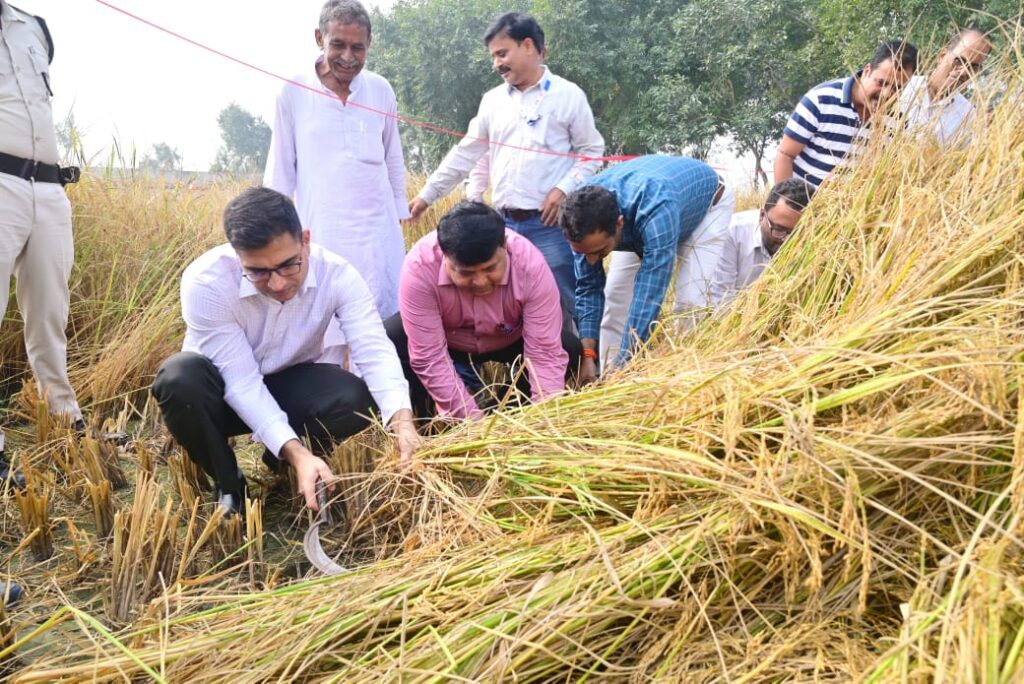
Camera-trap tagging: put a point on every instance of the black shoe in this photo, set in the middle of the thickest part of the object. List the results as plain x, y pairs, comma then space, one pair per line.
16, 478
233, 502
115, 438
10, 592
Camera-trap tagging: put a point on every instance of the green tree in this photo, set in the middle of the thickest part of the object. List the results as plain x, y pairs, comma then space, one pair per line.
433, 54
246, 142
756, 71
162, 158
660, 75
851, 29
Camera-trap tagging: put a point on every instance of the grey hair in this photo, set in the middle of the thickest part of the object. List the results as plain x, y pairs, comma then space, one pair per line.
344, 12
963, 33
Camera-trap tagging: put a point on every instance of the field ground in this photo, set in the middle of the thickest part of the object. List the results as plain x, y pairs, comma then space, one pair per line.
824, 484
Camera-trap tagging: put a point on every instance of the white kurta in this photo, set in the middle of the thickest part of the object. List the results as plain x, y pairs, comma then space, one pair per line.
344, 167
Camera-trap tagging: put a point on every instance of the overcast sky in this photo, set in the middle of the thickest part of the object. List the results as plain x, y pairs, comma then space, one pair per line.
128, 81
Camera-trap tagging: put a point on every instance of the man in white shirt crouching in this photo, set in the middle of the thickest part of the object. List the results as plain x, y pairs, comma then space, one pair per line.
755, 236
256, 310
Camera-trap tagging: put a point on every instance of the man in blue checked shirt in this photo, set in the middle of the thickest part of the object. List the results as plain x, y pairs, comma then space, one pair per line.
659, 215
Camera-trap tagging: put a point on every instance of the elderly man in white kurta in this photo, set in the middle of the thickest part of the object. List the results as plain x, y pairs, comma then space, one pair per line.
341, 161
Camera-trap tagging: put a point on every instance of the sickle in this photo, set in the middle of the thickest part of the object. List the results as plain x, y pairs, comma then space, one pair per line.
311, 542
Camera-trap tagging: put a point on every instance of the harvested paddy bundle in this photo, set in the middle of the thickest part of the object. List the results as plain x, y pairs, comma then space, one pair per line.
824, 482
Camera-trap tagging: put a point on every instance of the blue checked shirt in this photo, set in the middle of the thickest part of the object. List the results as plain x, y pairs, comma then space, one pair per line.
662, 201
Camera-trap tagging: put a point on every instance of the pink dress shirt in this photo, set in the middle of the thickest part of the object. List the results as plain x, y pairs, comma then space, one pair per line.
437, 315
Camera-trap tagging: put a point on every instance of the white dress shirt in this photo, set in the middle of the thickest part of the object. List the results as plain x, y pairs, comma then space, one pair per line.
344, 167
947, 119
743, 258
520, 178
248, 335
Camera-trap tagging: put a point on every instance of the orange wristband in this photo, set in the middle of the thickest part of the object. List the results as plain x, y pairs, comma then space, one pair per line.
590, 354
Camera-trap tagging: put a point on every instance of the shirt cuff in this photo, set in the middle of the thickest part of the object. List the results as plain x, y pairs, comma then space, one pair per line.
392, 402
403, 210
589, 330
568, 186
275, 435
428, 195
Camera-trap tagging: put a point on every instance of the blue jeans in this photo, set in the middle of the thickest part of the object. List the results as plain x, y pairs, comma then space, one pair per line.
555, 248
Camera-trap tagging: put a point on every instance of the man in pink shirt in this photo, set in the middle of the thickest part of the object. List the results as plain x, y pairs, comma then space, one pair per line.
473, 292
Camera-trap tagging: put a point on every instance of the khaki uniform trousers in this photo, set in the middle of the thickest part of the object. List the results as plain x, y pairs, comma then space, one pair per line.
36, 247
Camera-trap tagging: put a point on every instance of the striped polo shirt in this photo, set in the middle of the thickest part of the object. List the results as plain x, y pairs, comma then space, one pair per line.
827, 124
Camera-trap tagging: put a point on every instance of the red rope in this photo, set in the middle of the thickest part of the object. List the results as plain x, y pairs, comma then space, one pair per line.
402, 119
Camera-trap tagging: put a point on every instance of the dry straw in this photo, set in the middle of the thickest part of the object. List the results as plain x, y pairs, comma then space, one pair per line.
821, 484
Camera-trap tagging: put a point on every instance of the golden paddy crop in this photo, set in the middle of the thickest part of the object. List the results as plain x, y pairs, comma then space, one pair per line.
825, 483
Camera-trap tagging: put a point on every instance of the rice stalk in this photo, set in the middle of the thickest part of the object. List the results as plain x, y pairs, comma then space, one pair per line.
143, 550
34, 504
254, 535
818, 484
102, 508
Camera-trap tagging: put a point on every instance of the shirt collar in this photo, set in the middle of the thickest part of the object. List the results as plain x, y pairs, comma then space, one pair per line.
7, 13
848, 88
756, 243
544, 82
352, 87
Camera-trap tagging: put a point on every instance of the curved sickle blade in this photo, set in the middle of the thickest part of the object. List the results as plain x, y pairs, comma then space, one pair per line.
316, 554
311, 542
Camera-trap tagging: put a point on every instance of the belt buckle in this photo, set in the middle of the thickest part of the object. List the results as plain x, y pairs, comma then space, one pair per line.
29, 164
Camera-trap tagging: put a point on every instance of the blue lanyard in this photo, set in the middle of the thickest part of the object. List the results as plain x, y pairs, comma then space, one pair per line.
534, 114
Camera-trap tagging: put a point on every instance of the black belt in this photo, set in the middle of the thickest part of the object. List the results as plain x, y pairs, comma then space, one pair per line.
520, 214
30, 170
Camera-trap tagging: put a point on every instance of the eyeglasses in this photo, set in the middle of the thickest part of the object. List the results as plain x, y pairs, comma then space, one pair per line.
262, 275
776, 230
967, 65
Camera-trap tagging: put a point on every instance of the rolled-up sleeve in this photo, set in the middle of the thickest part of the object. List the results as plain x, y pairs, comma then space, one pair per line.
460, 160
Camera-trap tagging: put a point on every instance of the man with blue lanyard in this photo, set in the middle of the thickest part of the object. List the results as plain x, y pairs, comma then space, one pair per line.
673, 214
545, 145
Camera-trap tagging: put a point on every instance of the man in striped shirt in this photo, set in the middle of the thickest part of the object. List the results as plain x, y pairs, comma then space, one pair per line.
829, 118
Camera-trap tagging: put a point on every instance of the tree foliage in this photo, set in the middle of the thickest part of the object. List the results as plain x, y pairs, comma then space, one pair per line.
661, 75
162, 158
246, 142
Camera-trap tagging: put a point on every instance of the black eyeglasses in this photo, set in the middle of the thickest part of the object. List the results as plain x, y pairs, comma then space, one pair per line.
967, 65
776, 230
262, 275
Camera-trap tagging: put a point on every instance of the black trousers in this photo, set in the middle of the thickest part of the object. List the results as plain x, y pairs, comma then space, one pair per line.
321, 400
423, 404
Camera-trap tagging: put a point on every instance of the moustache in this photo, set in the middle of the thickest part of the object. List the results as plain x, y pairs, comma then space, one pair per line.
346, 65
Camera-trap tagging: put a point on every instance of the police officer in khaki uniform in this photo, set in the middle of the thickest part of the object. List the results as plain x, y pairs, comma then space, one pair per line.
35, 215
